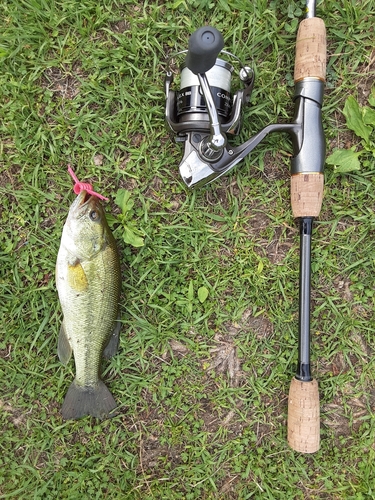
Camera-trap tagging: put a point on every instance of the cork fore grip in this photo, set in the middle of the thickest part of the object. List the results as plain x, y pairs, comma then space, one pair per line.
304, 416
306, 194
311, 48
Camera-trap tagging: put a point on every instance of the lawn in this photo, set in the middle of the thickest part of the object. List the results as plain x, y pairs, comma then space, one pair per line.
209, 305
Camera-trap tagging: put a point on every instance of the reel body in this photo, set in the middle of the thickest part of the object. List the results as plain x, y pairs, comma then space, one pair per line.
203, 110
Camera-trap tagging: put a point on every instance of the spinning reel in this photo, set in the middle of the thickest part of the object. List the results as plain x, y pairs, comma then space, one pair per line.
203, 112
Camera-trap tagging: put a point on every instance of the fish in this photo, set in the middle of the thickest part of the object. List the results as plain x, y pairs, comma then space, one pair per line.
88, 282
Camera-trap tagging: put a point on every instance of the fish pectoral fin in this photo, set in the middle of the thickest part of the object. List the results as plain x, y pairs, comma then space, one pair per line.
77, 278
113, 342
64, 349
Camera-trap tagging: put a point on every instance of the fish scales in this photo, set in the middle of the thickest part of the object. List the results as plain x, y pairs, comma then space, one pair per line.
93, 314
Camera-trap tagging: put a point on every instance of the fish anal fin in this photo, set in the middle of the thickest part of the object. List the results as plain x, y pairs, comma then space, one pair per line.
113, 342
64, 349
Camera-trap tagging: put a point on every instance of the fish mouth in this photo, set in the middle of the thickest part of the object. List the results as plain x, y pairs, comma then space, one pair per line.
80, 204
83, 198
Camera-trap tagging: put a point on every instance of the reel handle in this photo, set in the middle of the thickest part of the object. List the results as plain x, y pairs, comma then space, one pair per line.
205, 45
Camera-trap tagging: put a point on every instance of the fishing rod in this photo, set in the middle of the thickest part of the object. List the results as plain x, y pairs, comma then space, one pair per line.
202, 113
306, 190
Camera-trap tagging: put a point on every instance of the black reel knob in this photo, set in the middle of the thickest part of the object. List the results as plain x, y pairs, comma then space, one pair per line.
205, 45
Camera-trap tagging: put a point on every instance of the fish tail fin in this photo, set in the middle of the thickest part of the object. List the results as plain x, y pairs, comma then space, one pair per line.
96, 401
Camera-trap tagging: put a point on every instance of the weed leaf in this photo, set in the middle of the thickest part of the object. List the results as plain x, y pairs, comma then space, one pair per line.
131, 235
216, 217
224, 5
369, 116
191, 291
123, 200
354, 120
131, 238
202, 294
371, 98
260, 267
345, 160
178, 3
111, 220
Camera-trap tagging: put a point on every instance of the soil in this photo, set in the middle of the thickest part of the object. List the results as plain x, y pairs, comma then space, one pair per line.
63, 82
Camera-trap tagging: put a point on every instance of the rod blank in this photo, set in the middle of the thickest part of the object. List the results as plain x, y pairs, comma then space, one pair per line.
303, 368
311, 8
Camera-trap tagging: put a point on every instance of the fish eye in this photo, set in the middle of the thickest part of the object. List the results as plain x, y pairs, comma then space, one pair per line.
94, 215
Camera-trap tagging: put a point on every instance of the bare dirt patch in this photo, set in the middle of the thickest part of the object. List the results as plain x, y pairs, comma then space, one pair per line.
11, 178
275, 168
260, 325
225, 359
16, 416
342, 285
366, 80
120, 26
282, 242
63, 82
344, 420
283, 239
224, 356
152, 454
6, 353
219, 195
258, 221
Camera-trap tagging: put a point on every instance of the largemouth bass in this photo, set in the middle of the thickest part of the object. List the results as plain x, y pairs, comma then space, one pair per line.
88, 283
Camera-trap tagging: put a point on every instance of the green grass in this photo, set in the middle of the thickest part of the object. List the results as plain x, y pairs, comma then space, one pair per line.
82, 83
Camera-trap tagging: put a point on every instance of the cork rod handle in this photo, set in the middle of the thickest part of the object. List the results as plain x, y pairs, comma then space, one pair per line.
304, 416
306, 194
311, 50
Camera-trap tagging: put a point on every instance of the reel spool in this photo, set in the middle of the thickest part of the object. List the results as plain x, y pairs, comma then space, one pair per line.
186, 108
190, 100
